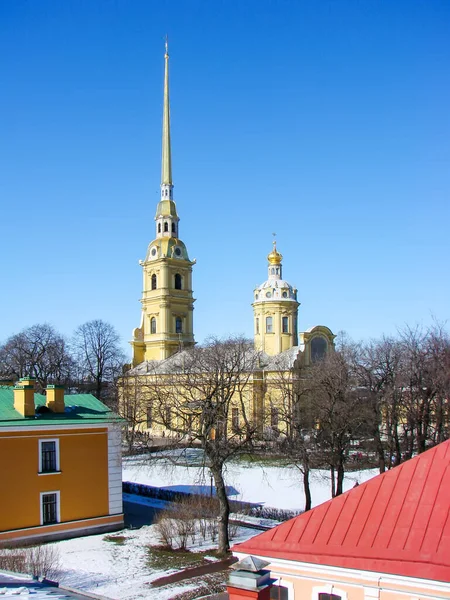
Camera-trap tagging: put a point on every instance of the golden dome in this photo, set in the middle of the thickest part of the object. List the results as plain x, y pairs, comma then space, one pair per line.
275, 257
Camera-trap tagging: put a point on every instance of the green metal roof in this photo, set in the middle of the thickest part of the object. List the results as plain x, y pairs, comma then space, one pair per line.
80, 408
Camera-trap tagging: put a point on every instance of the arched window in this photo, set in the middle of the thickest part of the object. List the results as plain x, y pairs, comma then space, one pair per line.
159, 227
153, 325
269, 325
273, 270
166, 226
173, 227
178, 281
318, 348
153, 282
178, 325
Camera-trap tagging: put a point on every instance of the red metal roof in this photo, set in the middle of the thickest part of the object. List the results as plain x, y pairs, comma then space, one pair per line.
397, 523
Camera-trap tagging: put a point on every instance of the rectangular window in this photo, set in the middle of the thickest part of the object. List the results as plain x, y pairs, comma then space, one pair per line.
285, 325
149, 416
274, 417
48, 456
279, 592
189, 422
168, 419
50, 508
257, 326
268, 324
235, 419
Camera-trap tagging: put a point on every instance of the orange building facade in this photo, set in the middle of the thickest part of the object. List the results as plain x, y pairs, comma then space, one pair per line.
60, 465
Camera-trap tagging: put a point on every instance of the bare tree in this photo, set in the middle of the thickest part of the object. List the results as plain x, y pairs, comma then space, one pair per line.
339, 409
135, 406
288, 394
40, 352
203, 397
96, 346
425, 387
378, 369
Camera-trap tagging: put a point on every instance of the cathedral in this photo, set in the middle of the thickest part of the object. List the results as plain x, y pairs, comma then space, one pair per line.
167, 299
161, 377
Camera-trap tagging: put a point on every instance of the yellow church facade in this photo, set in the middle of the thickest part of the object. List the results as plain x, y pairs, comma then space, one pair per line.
166, 330
60, 465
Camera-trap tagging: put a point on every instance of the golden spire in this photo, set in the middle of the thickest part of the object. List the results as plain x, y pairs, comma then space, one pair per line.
166, 167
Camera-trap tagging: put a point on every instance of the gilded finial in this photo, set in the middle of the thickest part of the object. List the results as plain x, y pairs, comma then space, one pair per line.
275, 257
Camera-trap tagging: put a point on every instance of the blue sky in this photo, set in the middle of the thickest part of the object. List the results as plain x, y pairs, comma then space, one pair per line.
326, 122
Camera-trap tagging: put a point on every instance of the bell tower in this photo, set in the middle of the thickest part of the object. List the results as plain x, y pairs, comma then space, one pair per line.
167, 300
275, 310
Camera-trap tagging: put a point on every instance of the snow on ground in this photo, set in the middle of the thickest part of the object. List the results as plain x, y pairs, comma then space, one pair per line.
280, 487
120, 571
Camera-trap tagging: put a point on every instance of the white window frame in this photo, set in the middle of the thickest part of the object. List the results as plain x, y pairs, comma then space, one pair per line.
58, 466
329, 588
58, 507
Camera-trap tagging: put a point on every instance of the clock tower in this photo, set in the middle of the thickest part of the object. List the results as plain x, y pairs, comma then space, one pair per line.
167, 300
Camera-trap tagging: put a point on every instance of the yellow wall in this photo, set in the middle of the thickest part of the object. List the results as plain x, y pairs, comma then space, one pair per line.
275, 342
82, 483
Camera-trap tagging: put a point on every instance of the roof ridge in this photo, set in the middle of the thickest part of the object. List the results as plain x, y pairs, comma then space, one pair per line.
345, 497
327, 504
418, 503
448, 510
401, 468
393, 473
368, 513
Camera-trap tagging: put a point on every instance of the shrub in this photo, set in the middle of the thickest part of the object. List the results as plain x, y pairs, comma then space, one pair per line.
39, 561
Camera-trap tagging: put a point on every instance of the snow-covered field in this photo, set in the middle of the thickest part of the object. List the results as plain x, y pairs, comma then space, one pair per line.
120, 571
281, 487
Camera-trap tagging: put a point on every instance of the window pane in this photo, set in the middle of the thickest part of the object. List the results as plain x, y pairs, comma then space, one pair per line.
178, 325
279, 592
274, 417
285, 324
48, 457
318, 348
49, 509
268, 324
235, 419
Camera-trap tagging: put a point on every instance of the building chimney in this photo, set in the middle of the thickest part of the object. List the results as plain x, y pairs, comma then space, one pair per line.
55, 398
24, 397
249, 580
